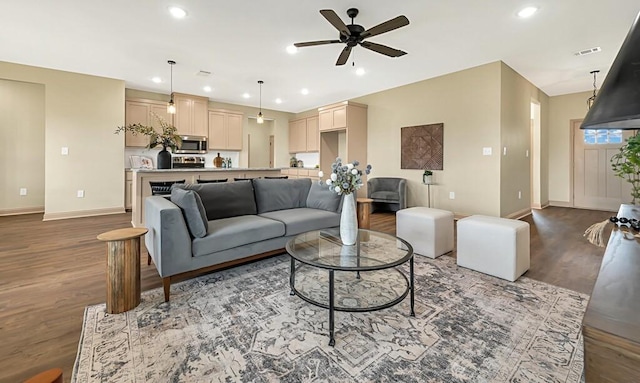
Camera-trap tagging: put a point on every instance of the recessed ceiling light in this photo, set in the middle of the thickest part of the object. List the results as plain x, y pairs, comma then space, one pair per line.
278, 101
304, 91
527, 12
157, 80
360, 71
207, 88
178, 13
292, 49
246, 95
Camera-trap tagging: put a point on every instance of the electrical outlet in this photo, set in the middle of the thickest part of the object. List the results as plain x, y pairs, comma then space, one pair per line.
23, 191
519, 194
486, 151
452, 195
64, 151
504, 151
80, 193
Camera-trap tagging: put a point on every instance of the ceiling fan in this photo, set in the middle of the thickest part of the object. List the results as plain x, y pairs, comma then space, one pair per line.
354, 34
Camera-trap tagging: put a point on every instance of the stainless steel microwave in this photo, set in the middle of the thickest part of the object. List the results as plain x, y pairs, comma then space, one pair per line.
193, 145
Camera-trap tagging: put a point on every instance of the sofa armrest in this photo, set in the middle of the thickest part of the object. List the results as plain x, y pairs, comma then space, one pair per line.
168, 240
402, 192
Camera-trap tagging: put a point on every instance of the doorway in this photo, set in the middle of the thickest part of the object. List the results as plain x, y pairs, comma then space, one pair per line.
595, 186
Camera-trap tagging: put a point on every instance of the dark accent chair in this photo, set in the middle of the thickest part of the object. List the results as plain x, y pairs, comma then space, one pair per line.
387, 193
163, 187
212, 181
276, 178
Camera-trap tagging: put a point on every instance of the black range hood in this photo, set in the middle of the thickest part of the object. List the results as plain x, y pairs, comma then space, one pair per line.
617, 105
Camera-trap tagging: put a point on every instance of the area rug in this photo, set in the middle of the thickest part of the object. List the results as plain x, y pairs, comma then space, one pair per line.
241, 325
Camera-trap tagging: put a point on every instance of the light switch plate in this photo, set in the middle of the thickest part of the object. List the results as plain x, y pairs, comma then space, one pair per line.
23, 191
80, 193
486, 151
452, 195
64, 151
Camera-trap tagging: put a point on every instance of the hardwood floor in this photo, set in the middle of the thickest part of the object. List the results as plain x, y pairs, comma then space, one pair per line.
49, 272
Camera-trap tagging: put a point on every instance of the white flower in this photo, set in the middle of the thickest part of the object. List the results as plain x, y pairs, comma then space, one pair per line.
328, 181
349, 166
337, 189
320, 174
354, 171
334, 176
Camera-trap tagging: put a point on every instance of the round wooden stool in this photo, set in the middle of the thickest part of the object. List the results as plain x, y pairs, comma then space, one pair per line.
364, 211
123, 268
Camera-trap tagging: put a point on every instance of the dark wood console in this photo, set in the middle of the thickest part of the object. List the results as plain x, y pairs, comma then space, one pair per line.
611, 324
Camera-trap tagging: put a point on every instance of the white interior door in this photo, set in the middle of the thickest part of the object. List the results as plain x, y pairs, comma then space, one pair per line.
595, 186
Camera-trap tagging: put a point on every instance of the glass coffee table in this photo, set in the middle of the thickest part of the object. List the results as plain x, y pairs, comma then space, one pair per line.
358, 278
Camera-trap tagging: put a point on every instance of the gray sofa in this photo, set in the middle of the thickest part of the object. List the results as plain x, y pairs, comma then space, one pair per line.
209, 226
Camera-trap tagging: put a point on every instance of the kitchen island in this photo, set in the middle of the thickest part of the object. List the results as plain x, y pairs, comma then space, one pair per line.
141, 189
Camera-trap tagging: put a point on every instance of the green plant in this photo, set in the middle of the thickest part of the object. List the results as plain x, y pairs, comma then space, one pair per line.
626, 165
167, 138
428, 173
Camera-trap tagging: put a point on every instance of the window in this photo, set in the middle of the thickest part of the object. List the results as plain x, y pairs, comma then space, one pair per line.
602, 136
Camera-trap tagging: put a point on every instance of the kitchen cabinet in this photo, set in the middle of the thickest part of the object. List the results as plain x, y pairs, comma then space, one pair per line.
304, 135
128, 182
138, 111
294, 173
191, 114
333, 117
225, 130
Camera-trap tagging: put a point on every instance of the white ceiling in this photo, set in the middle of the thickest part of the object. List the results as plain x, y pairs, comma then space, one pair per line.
242, 42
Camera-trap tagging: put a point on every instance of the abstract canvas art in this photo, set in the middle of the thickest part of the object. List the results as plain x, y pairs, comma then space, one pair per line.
422, 147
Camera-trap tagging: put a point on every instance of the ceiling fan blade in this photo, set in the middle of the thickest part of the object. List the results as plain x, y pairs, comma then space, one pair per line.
336, 21
387, 26
312, 43
385, 50
344, 56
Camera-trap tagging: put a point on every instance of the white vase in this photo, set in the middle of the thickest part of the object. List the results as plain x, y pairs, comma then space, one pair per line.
348, 221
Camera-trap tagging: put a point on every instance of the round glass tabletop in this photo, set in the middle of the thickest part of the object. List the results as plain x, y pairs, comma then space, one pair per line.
373, 250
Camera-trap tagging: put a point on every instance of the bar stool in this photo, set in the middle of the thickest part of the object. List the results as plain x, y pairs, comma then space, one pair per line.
244, 179
276, 178
163, 187
212, 181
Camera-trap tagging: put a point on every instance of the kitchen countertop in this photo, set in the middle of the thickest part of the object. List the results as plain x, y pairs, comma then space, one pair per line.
203, 170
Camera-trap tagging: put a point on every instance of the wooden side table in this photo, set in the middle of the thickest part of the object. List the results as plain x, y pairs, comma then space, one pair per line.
364, 211
123, 268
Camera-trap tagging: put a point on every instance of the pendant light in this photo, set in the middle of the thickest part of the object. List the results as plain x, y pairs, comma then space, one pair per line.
260, 118
592, 99
171, 107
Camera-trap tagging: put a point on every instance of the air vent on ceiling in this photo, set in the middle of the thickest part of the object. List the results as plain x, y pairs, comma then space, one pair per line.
588, 51
203, 73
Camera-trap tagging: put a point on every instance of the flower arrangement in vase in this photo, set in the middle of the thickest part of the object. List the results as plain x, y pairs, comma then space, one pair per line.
167, 138
345, 179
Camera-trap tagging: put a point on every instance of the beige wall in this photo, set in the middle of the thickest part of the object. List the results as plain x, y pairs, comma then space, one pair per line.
81, 113
516, 95
278, 126
562, 109
468, 103
22, 130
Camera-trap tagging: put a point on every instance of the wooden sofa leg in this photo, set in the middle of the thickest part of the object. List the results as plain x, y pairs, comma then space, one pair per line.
166, 284
148, 259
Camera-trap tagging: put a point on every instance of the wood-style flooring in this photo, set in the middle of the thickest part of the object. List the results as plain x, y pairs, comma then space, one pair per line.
49, 272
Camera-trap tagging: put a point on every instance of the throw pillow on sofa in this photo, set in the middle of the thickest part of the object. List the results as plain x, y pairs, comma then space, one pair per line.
192, 209
224, 200
281, 194
321, 197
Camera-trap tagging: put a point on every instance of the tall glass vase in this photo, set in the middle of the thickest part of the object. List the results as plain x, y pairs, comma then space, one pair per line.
348, 221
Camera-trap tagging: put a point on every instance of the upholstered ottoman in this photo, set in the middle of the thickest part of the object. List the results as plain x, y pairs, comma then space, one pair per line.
494, 246
429, 231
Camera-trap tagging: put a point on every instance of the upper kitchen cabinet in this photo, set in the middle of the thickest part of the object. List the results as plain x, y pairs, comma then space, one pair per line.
333, 117
139, 111
191, 114
225, 130
304, 135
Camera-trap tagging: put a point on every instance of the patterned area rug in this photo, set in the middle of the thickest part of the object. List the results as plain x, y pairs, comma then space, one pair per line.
241, 325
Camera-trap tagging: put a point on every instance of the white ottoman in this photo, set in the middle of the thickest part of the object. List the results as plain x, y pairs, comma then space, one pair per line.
494, 246
428, 231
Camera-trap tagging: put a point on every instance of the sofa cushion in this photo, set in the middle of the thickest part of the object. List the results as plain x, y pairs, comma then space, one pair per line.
386, 195
280, 194
321, 197
227, 233
223, 200
300, 220
192, 209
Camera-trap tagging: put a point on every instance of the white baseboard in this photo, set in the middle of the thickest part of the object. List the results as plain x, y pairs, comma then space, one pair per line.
82, 213
23, 210
519, 214
560, 204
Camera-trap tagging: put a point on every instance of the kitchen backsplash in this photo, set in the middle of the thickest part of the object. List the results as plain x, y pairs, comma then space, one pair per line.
153, 154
